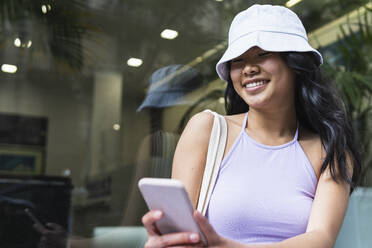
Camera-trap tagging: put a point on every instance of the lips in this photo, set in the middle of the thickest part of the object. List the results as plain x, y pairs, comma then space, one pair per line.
254, 83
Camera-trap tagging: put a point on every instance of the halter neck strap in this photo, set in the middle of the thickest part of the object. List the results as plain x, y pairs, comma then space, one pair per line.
245, 121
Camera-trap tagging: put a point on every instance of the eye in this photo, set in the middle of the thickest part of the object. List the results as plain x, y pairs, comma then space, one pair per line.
237, 60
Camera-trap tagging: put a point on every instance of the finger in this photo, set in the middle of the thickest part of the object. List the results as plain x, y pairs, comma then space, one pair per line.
198, 245
177, 239
204, 225
149, 220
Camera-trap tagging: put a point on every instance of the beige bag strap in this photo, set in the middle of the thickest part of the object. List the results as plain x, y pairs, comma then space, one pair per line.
216, 148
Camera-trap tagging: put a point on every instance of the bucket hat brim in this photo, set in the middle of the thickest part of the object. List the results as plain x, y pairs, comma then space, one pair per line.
164, 99
170, 86
267, 41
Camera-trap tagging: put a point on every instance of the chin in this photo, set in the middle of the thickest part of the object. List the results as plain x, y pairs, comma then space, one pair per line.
256, 103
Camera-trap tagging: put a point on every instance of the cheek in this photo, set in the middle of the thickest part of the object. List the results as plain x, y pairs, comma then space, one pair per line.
274, 67
284, 75
288, 77
236, 89
235, 73
235, 78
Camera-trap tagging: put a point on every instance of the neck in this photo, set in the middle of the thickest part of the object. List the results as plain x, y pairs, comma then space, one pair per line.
272, 127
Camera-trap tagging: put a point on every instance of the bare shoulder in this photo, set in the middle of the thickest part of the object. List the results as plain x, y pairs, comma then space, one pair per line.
205, 119
202, 121
191, 151
198, 129
313, 148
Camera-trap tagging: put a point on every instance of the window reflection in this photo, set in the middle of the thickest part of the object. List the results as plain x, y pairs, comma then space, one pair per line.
79, 127
28, 206
168, 87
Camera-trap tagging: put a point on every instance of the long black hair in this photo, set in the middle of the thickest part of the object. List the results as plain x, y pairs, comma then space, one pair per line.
320, 109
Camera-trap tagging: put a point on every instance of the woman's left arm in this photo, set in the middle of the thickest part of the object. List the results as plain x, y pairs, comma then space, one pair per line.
326, 218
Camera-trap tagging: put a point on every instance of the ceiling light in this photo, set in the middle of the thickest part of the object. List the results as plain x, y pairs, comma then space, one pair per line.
134, 62
9, 68
17, 42
116, 127
219, 0
291, 3
44, 9
169, 34
66, 172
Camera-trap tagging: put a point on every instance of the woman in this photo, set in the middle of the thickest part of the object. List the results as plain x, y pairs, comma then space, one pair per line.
290, 162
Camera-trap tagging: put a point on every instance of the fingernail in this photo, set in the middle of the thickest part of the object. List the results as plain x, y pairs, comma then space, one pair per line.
194, 237
157, 214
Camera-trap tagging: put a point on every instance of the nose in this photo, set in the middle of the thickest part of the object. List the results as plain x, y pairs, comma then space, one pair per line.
250, 69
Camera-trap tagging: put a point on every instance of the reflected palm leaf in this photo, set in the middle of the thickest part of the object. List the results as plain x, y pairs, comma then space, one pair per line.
56, 29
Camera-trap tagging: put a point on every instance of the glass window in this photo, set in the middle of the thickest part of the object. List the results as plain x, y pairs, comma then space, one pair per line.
94, 94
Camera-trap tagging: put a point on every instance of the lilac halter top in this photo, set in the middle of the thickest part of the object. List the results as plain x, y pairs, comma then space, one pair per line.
263, 194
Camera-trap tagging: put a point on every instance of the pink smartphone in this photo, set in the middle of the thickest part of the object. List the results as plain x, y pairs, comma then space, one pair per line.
170, 196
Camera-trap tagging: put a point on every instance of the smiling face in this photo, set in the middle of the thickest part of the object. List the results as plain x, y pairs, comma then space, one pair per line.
262, 79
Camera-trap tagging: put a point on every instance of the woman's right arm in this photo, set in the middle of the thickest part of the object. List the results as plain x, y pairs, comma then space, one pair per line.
191, 152
188, 166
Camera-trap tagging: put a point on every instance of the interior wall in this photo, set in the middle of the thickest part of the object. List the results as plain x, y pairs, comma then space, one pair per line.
68, 121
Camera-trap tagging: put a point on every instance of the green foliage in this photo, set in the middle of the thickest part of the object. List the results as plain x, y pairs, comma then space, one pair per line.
57, 31
353, 78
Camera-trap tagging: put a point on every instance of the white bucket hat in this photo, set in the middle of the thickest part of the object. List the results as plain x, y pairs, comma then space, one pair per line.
272, 28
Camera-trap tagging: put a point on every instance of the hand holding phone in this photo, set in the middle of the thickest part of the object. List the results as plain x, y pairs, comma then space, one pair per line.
52, 234
170, 196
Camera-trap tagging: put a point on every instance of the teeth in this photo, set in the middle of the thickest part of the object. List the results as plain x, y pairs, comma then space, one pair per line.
254, 84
